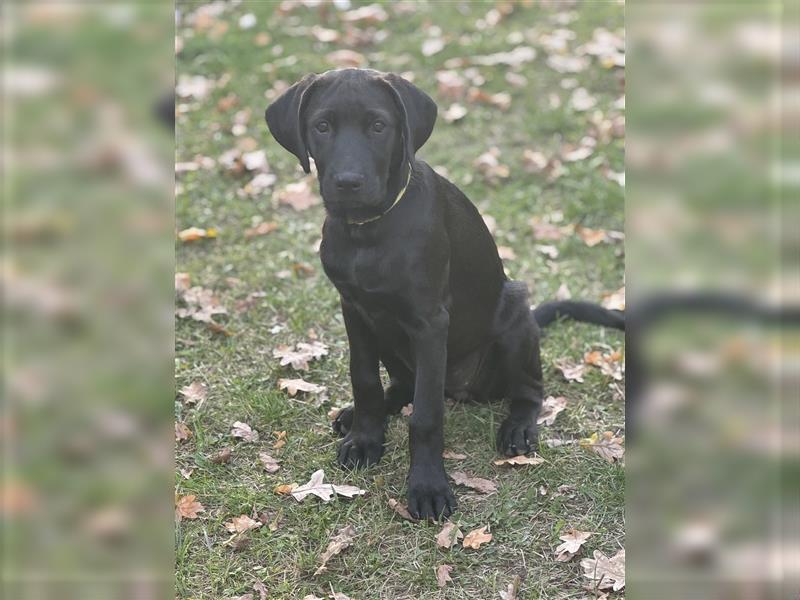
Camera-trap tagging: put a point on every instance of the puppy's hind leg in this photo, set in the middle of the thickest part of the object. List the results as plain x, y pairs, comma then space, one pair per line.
521, 371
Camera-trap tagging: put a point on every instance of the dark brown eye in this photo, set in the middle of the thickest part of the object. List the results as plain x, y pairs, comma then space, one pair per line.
378, 126
323, 126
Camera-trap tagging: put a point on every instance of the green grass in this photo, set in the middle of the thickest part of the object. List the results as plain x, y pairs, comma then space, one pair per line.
391, 558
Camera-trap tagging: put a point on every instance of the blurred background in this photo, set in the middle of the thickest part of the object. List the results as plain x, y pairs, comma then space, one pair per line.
713, 483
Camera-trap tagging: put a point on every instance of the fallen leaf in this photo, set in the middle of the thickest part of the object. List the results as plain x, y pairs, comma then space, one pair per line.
201, 305
501, 100
407, 410
280, 440
183, 282
194, 392
432, 46
449, 535
454, 113
477, 537
298, 195
292, 386
192, 234
182, 431
186, 473
343, 538
609, 364
346, 58
222, 457
550, 409
591, 237
606, 445
244, 432
284, 489
571, 372
582, 100
548, 250
484, 486
450, 84
339, 596
372, 13
299, 356
489, 166
187, 507
449, 454
563, 292
511, 591
443, 575
264, 228
271, 465
543, 231
614, 300
241, 524
311, 597
572, 541
324, 491
519, 460
506, 253
514, 58
261, 589
401, 509
607, 572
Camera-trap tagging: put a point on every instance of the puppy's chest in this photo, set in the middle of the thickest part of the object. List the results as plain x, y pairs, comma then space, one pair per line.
366, 272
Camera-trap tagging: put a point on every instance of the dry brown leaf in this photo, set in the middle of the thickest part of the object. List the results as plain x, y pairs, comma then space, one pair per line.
489, 166
201, 305
271, 465
477, 537
501, 100
449, 535
241, 524
451, 84
187, 507
511, 591
299, 356
371, 14
346, 58
284, 489
343, 538
443, 575
401, 510
292, 386
519, 460
484, 486
432, 46
591, 237
324, 491
298, 195
193, 234
606, 445
456, 112
506, 253
182, 431
614, 300
544, 231
449, 454
610, 364
339, 596
572, 541
280, 439
222, 457
194, 392
183, 282
186, 473
563, 292
261, 589
407, 410
264, 228
570, 371
244, 431
550, 409
606, 572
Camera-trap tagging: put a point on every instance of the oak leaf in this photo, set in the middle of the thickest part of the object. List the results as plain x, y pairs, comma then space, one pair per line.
343, 538
292, 386
449, 535
572, 542
606, 445
606, 572
520, 460
187, 507
443, 575
550, 409
484, 486
194, 392
476, 538
244, 431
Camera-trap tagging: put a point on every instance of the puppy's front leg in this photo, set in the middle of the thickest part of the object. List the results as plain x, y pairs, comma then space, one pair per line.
429, 494
363, 444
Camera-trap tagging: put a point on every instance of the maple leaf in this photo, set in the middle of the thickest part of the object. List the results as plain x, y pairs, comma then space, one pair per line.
299, 385
571, 372
607, 572
401, 509
550, 409
572, 542
298, 358
244, 432
241, 524
194, 392
193, 234
443, 575
270, 464
187, 507
606, 445
182, 431
510, 593
449, 454
449, 535
476, 483
520, 460
324, 491
343, 538
477, 537
298, 195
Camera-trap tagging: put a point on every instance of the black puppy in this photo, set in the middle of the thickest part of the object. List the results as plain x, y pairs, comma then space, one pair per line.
422, 287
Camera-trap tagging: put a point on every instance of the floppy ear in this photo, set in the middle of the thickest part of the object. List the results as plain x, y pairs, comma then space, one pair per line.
284, 119
417, 109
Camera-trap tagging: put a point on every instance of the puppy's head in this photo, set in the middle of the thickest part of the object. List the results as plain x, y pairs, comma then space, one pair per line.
361, 127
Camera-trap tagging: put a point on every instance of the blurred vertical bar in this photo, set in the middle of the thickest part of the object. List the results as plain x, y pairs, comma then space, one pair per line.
87, 257
713, 182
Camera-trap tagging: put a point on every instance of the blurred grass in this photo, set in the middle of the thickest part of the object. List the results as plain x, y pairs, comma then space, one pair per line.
391, 558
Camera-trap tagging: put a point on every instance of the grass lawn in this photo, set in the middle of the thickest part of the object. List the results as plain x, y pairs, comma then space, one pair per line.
390, 558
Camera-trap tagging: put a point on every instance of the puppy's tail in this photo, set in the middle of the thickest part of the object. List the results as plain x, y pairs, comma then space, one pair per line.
578, 310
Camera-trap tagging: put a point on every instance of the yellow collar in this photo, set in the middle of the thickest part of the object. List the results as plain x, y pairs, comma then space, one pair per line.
396, 200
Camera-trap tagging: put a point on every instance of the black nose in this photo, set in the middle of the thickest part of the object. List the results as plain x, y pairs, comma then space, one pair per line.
348, 182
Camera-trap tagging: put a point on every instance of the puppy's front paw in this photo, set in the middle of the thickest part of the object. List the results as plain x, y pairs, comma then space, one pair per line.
430, 496
358, 451
343, 421
517, 437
